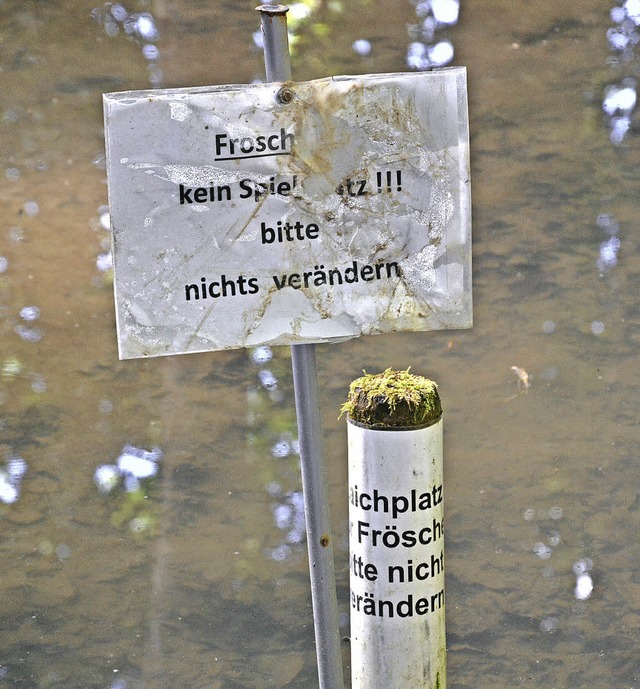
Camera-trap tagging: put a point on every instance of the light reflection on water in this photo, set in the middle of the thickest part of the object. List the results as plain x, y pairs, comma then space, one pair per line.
138, 26
620, 97
11, 478
273, 434
197, 574
427, 50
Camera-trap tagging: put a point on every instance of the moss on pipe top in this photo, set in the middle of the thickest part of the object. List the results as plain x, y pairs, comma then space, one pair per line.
393, 400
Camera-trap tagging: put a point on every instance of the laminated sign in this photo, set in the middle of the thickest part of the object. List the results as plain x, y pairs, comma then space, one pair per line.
289, 213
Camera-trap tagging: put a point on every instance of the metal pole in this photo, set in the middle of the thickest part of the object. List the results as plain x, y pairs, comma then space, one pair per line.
276, 42
316, 506
314, 474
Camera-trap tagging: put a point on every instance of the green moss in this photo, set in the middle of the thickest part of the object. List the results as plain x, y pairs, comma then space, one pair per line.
393, 399
136, 510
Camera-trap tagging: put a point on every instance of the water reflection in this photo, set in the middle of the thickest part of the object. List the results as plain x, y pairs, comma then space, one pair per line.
137, 26
132, 474
312, 23
584, 582
427, 50
608, 254
104, 260
548, 524
11, 479
620, 98
273, 433
86, 603
362, 47
29, 333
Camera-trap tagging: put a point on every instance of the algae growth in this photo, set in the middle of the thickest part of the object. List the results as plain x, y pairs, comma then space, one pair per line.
393, 400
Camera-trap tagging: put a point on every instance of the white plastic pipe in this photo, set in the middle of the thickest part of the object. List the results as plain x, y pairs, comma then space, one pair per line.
396, 551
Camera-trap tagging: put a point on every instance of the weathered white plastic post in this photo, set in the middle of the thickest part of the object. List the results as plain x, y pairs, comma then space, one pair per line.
396, 539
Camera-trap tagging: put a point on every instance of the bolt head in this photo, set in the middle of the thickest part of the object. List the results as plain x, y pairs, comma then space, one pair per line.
285, 95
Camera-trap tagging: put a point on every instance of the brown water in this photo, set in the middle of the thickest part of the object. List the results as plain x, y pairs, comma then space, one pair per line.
201, 579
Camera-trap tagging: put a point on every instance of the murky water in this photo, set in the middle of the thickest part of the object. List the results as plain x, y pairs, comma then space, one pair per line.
199, 576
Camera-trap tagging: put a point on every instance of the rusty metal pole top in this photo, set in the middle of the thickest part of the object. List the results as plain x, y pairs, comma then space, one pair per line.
273, 22
273, 10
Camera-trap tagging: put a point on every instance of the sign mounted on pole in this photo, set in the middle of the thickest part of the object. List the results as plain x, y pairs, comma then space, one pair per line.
289, 213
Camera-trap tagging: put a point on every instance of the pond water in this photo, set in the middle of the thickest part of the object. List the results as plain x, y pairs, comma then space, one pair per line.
199, 578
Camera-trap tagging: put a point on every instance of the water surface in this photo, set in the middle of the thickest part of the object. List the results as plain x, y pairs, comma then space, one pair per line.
200, 578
